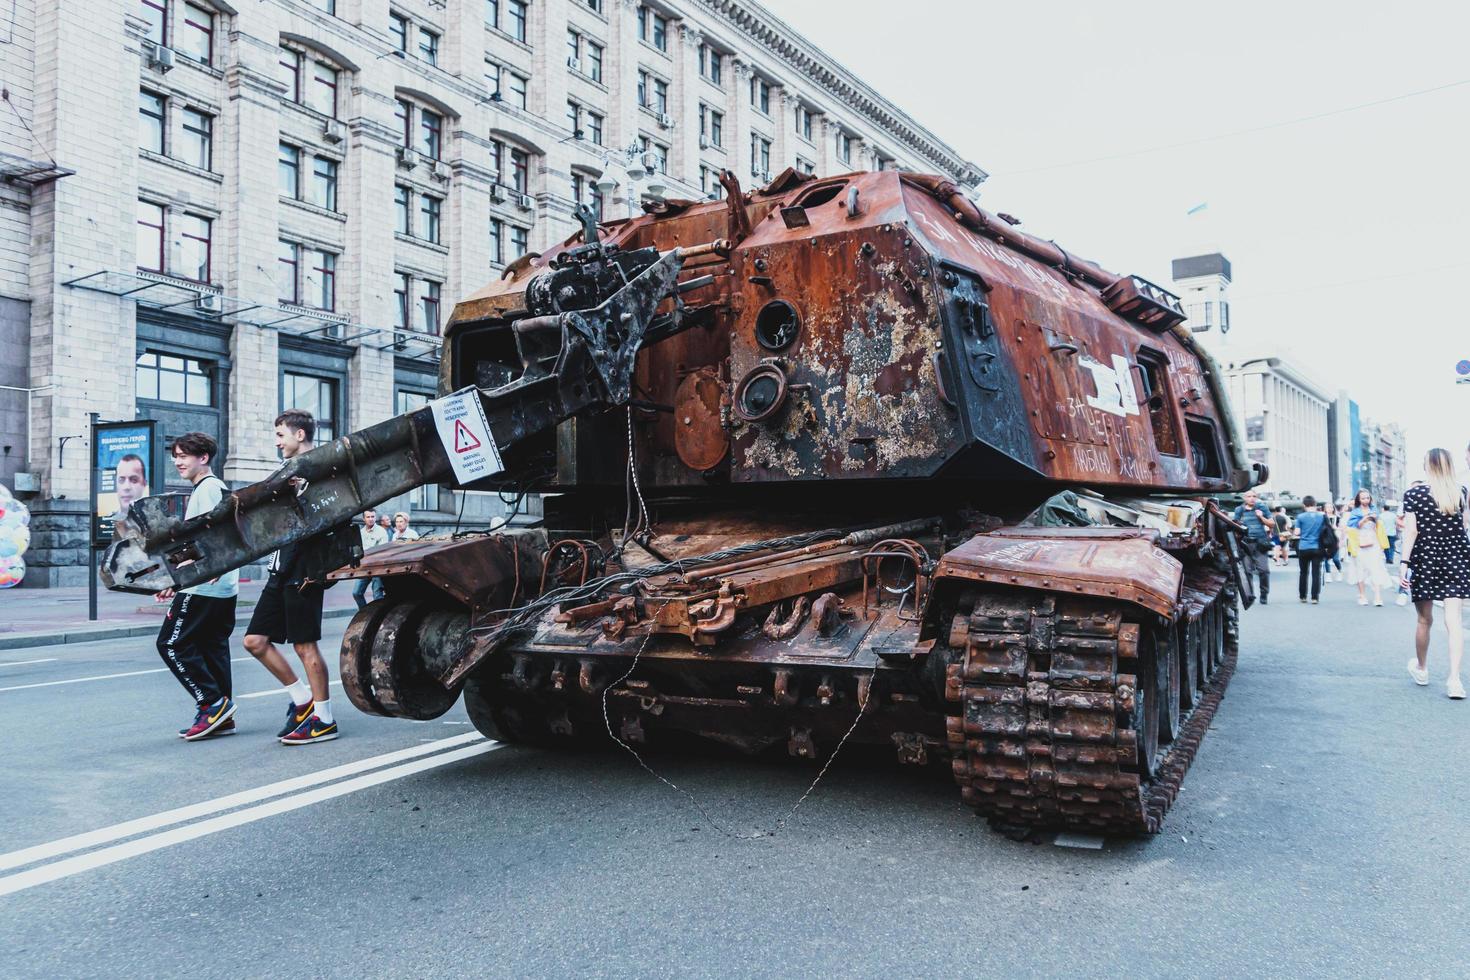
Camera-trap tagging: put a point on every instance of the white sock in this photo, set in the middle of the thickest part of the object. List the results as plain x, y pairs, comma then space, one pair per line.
300, 693
324, 710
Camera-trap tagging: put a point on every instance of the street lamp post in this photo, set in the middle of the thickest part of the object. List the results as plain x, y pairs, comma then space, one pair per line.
628, 174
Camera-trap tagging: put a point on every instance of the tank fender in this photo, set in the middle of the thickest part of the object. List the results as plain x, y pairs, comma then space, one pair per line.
1113, 563
480, 572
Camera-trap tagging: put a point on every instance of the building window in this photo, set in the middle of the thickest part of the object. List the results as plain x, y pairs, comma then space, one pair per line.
574, 119
317, 396
497, 161
428, 46
653, 28
492, 14
402, 205
197, 148
592, 60
594, 128
805, 166
760, 94
660, 95
709, 183
804, 122
323, 94
431, 208
290, 62
431, 128
515, 19
404, 115
150, 119
520, 170
760, 155
520, 240
288, 263
712, 126
324, 183
429, 307
195, 37
425, 497
574, 50
155, 12
593, 5
326, 6
660, 155
401, 292
516, 86
169, 378
844, 147
193, 248
497, 241
321, 280
710, 64
288, 168
398, 31
150, 237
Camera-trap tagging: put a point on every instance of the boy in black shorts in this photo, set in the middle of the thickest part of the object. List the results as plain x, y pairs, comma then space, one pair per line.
290, 611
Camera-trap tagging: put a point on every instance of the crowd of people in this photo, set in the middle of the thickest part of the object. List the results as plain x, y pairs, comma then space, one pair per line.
1416, 552
195, 638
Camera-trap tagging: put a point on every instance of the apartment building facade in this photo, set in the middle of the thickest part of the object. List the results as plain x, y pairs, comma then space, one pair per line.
212, 211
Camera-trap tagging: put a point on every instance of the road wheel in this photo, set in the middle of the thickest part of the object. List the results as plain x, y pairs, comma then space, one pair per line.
1167, 675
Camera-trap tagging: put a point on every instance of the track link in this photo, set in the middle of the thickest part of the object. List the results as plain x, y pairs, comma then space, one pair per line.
1051, 723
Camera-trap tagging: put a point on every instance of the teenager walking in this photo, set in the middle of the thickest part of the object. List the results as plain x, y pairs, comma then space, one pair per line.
1437, 558
1309, 528
290, 611
195, 638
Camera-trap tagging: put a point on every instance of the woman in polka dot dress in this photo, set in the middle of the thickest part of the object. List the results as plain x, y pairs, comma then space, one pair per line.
1437, 556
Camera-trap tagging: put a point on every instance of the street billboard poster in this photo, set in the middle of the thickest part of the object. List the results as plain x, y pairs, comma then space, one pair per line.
125, 456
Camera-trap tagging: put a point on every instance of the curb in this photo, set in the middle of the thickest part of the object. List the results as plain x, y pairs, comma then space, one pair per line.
17, 641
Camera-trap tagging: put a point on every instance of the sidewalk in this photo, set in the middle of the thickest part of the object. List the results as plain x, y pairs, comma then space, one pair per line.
38, 617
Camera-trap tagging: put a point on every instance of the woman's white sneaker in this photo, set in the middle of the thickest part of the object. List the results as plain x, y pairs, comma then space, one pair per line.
1420, 674
1455, 689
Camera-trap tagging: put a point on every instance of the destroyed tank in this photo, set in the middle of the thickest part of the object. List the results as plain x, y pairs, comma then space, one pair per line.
837, 460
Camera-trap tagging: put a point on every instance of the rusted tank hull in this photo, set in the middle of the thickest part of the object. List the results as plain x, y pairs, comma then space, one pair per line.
1064, 675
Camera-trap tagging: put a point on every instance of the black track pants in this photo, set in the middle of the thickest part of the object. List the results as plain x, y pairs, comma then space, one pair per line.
195, 643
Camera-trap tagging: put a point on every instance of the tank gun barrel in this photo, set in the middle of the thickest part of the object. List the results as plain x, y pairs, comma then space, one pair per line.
571, 362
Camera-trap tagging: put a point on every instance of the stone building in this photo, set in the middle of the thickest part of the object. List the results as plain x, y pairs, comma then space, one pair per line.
1282, 414
213, 210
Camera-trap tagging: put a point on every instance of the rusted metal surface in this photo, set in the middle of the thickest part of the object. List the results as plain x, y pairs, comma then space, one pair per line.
1117, 564
482, 572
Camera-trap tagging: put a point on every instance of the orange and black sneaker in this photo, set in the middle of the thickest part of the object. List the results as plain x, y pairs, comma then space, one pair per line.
210, 719
312, 729
295, 715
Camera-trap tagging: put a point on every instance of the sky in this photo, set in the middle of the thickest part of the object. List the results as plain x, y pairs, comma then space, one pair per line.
1347, 233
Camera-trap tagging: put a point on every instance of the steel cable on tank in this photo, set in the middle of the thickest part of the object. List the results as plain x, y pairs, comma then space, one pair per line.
694, 800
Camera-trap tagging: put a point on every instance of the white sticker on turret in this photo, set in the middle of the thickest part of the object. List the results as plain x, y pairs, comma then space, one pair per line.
465, 433
1115, 391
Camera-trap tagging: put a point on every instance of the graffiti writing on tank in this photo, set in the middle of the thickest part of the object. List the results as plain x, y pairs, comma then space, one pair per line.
1018, 554
1115, 392
1130, 468
1090, 459
936, 228
1079, 411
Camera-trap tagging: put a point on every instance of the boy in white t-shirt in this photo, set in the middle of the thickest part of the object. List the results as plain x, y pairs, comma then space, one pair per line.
195, 639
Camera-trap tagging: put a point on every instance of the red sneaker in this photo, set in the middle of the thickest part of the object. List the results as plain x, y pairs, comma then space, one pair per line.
210, 718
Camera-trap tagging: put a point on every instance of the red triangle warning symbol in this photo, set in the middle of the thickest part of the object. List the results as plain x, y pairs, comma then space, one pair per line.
464, 439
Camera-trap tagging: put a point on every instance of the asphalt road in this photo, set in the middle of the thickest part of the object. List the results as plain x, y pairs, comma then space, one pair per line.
1322, 831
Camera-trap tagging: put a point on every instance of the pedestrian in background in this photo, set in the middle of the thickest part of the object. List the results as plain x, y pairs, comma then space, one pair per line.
1437, 561
373, 536
1258, 530
1366, 542
1332, 557
1390, 521
401, 530
386, 523
1308, 530
1282, 524
195, 639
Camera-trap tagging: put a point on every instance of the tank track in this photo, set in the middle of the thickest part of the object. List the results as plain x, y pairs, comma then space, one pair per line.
1050, 729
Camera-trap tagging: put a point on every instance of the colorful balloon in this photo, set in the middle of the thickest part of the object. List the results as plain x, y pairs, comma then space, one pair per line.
15, 538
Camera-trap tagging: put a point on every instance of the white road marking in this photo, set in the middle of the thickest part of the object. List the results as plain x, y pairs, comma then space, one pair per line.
22, 663
67, 867
129, 828
108, 677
